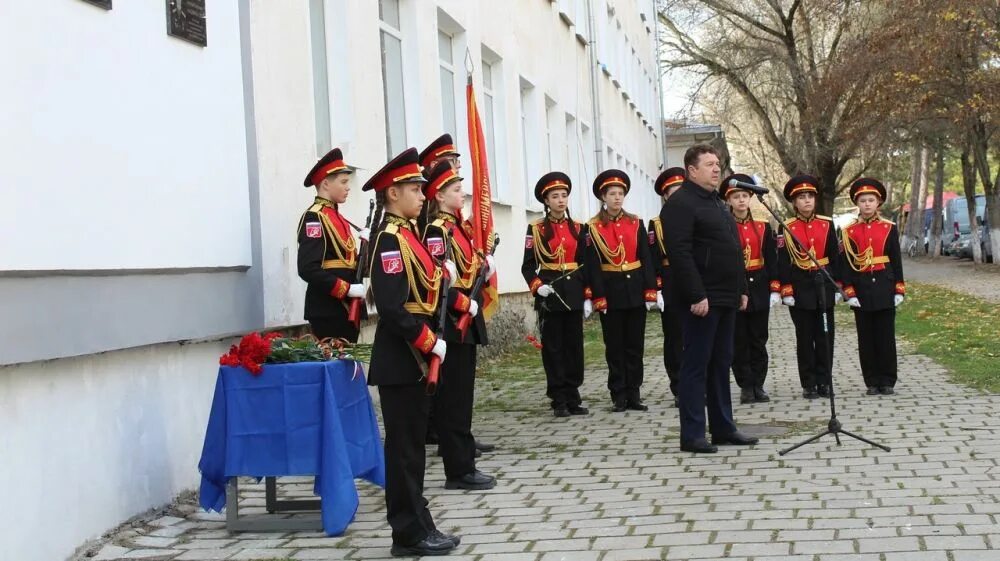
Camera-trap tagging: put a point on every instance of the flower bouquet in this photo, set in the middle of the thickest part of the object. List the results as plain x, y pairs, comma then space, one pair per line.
255, 349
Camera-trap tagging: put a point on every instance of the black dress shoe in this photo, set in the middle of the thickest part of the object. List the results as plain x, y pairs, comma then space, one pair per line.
475, 481
484, 447
872, 390
760, 395
578, 410
823, 390
809, 393
737, 438
746, 396
431, 438
700, 446
431, 545
887, 390
560, 412
618, 405
636, 405
457, 540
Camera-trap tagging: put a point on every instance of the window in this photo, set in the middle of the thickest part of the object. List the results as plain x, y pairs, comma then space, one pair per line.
571, 158
530, 148
392, 76
321, 83
488, 114
551, 159
446, 58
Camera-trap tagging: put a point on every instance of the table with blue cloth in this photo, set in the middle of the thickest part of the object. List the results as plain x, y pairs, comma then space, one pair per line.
307, 418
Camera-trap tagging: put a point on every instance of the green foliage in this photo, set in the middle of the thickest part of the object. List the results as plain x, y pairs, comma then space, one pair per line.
295, 350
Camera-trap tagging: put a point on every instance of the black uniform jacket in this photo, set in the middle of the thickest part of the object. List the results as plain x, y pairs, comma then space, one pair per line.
405, 281
556, 250
872, 268
327, 260
760, 258
706, 260
798, 274
438, 235
622, 272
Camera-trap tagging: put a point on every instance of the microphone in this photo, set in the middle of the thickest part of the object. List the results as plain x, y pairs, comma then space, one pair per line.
753, 188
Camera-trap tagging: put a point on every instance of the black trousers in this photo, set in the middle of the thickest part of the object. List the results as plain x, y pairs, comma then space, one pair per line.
750, 349
704, 378
877, 346
562, 355
813, 348
673, 345
624, 341
334, 326
404, 414
453, 410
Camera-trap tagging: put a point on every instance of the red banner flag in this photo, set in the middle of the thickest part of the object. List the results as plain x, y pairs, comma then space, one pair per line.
482, 200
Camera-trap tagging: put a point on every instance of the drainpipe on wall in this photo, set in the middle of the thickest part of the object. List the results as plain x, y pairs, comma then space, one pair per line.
659, 87
594, 72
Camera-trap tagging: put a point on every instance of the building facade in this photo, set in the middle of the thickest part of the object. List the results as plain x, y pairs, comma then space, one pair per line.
152, 187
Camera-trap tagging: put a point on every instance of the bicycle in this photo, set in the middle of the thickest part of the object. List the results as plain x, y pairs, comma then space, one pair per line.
911, 248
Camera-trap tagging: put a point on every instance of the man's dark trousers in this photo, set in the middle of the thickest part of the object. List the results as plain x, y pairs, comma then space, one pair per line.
704, 377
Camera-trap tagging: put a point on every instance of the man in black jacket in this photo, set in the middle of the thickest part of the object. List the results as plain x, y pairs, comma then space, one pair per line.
709, 286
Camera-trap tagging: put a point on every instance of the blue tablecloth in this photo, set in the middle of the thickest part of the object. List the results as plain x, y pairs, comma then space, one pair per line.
309, 418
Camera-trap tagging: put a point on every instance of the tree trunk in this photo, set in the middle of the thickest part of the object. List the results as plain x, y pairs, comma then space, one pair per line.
937, 224
914, 220
969, 186
993, 217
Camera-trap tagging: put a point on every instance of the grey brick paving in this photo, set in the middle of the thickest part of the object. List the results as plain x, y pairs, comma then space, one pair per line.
615, 486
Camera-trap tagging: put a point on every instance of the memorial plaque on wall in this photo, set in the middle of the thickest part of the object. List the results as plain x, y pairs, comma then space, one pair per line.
106, 4
186, 20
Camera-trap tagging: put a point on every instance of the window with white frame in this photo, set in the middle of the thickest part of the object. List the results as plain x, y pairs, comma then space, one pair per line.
530, 136
447, 66
551, 158
493, 122
321, 84
391, 38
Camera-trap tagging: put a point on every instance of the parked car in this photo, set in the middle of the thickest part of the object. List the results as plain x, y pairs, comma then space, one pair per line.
956, 216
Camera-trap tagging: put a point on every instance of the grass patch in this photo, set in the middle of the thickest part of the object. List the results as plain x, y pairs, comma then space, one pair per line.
957, 330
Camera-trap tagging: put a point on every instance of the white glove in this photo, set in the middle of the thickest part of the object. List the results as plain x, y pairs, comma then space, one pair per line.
775, 299
837, 297
545, 291
650, 306
788, 300
451, 269
473, 308
356, 291
440, 348
659, 301
364, 234
588, 308
854, 302
897, 299
491, 267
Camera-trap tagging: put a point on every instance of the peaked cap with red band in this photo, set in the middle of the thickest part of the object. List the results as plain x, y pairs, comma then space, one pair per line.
441, 147
669, 178
440, 177
328, 165
725, 189
867, 185
610, 178
401, 169
550, 181
800, 184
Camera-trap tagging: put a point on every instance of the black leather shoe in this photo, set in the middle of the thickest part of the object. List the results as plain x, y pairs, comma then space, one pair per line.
431, 545
823, 390
457, 540
760, 395
887, 390
700, 446
484, 447
809, 393
636, 405
560, 412
872, 390
475, 481
746, 396
578, 410
431, 438
618, 405
737, 438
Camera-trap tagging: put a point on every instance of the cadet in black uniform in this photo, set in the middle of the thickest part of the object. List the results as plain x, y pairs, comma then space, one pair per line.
666, 185
760, 258
873, 275
406, 282
328, 253
623, 283
800, 282
456, 391
554, 250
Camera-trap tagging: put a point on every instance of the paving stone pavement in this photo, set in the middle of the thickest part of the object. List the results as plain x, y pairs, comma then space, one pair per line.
616, 487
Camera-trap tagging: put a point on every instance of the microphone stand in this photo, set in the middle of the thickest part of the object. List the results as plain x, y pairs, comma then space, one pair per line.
833, 426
